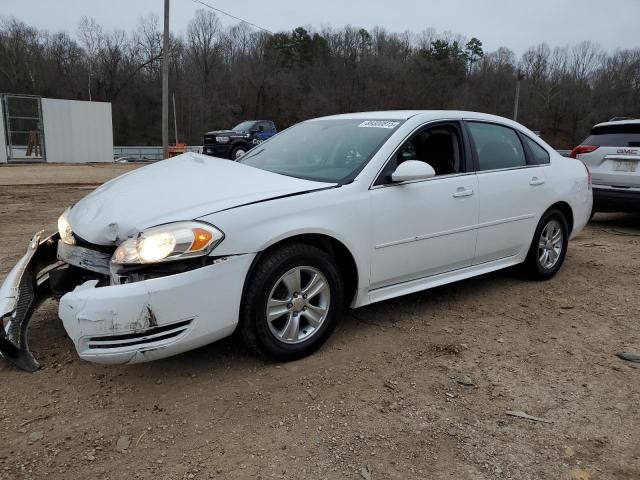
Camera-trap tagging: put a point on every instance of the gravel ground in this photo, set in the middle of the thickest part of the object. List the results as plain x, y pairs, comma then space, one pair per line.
415, 387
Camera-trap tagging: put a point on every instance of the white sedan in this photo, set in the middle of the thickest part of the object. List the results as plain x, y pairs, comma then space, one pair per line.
338, 211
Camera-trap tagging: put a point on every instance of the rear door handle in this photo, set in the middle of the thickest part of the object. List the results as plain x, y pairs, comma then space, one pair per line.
462, 192
536, 181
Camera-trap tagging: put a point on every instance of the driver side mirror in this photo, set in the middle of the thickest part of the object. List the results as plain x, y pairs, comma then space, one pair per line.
412, 170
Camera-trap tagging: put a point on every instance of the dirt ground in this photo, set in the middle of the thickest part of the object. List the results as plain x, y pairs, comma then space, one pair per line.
385, 398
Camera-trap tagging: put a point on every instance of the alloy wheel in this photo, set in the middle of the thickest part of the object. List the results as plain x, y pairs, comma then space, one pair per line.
550, 244
298, 304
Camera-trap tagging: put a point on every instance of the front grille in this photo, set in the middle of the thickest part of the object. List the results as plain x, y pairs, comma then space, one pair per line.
85, 258
81, 242
150, 335
209, 140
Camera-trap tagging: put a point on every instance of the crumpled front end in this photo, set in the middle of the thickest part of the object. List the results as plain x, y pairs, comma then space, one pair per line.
120, 316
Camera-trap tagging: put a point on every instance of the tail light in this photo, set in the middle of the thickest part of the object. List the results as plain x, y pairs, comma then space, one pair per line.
589, 179
582, 149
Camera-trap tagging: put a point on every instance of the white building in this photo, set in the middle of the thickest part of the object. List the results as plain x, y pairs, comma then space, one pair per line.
34, 129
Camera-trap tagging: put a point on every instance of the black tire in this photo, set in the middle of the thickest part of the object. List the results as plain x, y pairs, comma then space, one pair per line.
593, 212
533, 265
254, 327
236, 150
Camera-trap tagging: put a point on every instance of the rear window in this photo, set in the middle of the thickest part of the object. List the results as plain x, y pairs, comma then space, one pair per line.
614, 136
540, 155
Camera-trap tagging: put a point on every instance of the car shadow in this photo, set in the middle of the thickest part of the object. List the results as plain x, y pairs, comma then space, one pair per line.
229, 357
630, 221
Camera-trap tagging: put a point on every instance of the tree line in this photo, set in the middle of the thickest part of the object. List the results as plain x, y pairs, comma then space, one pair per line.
222, 75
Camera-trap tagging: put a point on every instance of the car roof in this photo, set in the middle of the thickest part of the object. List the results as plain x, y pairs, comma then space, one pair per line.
618, 122
423, 114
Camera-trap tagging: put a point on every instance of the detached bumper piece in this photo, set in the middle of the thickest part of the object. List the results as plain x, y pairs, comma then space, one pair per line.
24, 289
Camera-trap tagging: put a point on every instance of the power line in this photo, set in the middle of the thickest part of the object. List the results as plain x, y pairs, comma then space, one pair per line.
232, 16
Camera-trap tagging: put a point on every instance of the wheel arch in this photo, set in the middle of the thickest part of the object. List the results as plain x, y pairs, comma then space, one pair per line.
240, 143
345, 260
566, 210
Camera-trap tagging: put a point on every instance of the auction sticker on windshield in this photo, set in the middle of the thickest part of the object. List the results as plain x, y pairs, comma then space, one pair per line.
378, 124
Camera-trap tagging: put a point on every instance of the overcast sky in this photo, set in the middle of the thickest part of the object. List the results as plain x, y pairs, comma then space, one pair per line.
516, 24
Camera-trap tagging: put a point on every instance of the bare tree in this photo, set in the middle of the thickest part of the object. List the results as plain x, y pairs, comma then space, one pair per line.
223, 75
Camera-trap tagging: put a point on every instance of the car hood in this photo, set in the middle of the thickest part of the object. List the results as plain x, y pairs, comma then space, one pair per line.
226, 133
183, 188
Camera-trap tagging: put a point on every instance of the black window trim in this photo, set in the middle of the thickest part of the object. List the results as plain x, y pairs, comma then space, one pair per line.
529, 159
466, 152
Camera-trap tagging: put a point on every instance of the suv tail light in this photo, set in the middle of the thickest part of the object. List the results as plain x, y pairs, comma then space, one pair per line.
582, 149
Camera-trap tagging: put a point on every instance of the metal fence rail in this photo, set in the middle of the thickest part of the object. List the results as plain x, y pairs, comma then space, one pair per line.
151, 153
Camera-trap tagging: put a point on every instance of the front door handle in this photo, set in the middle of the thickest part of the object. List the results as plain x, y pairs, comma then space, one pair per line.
462, 192
536, 181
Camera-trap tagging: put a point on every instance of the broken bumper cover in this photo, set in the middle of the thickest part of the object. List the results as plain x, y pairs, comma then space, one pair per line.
21, 293
155, 318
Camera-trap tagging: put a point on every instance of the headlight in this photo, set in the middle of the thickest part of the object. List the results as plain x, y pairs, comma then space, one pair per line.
222, 139
64, 228
173, 241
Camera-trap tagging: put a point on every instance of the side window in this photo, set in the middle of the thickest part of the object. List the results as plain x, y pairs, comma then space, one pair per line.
262, 126
496, 146
271, 127
439, 146
540, 155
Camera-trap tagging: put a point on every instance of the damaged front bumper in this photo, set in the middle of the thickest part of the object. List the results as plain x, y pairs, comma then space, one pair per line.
26, 286
118, 323
155, 318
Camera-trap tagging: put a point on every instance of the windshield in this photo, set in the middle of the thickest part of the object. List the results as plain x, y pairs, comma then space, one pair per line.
243, 126
322, 150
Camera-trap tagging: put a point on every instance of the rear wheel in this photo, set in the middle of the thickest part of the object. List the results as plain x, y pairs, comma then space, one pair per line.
237, 153
549, 246
292, 302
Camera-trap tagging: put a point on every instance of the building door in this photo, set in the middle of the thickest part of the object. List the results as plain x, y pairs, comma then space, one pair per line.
23, 128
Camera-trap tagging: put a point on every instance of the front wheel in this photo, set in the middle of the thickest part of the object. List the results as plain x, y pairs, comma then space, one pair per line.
292, 302
549, 246
237, 153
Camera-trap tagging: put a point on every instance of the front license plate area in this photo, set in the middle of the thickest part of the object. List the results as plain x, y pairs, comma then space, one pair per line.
625, 165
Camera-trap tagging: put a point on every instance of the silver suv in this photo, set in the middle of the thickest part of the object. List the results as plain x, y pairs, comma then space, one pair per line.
612, 154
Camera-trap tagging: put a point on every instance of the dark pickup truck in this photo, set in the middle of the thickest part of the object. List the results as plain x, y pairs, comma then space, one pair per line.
234, 143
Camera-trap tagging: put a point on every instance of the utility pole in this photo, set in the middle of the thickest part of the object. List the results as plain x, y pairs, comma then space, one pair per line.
165, 83
175, 122
520, 76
